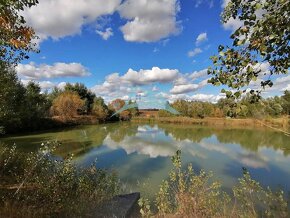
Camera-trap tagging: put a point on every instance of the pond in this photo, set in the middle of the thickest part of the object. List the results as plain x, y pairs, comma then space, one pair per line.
140, 153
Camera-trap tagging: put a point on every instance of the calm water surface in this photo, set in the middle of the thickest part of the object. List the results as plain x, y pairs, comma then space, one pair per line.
140, 152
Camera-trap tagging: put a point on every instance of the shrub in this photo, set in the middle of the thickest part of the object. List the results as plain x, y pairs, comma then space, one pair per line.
186, 194
67, 105
38, 185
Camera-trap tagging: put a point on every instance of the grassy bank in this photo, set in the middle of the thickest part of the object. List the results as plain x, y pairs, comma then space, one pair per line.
283, 122
189, 194
39, 185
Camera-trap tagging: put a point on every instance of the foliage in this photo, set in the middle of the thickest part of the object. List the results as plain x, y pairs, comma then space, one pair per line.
21, 107
164, 113
255, 201
15, 36
100, 109
11, 97
186, 194
38, 185
228, 107
84, 94
67, 105
196, 109
133, 111
286, 102
116, 105
263, 38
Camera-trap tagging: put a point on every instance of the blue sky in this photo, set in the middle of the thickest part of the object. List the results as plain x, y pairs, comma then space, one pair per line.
158, 49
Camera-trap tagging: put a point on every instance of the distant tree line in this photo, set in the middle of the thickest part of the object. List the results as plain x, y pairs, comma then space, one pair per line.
246, 107
27, 108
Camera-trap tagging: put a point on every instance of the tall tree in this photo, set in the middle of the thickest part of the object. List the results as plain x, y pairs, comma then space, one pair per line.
12, 95
36, 105
263, 38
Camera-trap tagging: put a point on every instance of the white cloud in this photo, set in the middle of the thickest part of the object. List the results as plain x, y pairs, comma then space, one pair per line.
105, 34
180, 89
185, 88
45, 85
206, 97
149, 20
156, 74
116, 85
233, 24
201, 38
198, 74
195, 97
280, 84
35, 72
195, 52
60, 18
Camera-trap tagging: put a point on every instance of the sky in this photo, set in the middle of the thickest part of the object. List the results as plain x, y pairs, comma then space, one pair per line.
156, 49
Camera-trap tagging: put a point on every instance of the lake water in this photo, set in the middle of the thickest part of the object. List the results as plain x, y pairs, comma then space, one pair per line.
140, 153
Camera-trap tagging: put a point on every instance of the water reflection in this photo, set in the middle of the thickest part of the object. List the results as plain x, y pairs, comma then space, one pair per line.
138, 152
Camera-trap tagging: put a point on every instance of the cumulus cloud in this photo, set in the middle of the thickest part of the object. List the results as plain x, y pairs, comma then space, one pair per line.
149, 20
195, 52
105, 34
116, 85
196, 97
280, 84
156, 74
190, 77
35, 72
185, 88
201, 38
60, 18
198, 74
45, 85
179, 89
233, 24
128, 84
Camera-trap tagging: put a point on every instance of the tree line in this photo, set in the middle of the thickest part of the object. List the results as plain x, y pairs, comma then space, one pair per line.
27, 108
246, 107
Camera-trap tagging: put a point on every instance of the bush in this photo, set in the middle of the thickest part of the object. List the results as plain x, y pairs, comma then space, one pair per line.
186, 194
67, 105
38, 185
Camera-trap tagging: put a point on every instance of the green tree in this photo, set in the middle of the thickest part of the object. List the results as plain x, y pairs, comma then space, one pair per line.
12, 95
15, 36
182, 107
286, 102
100, 109
36, 105
263, 38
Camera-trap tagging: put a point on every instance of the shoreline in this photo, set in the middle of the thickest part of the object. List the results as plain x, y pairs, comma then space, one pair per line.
281, 122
